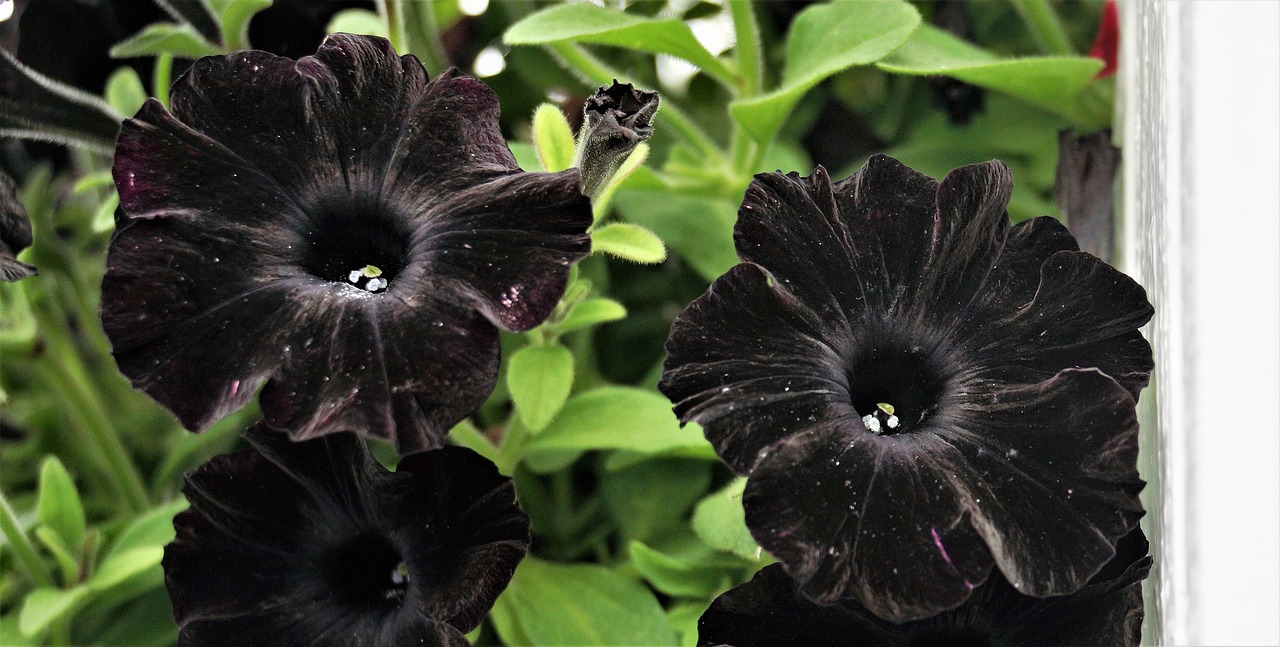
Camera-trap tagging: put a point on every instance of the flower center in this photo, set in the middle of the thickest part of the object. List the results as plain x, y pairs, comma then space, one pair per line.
356, 244
368, 571
895, 389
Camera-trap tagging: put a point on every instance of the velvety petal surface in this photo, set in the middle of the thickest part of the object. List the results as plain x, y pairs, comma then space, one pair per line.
770, 611
508, 244
273, 182
917, 390
752, 364
314, 543
1039, 480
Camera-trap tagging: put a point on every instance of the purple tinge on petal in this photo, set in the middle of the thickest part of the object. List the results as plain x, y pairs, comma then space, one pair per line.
877, 519
314, 543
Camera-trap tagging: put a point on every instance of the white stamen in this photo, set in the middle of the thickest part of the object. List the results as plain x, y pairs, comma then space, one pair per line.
892, 422
872, 424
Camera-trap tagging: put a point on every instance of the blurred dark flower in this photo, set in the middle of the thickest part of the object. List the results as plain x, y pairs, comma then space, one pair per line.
770, 612
1084, 188
338, 227
314, 543
15, 232
615, 120
917, 390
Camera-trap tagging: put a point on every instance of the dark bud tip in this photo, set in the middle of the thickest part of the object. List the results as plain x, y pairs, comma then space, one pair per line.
615, 120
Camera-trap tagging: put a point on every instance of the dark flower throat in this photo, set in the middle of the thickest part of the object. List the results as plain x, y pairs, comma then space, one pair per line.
894, 388
366, 251
368, 571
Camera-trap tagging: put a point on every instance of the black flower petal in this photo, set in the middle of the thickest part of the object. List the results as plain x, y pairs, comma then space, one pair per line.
15, 232
1107, 612
338, 228
314, 543
917, 390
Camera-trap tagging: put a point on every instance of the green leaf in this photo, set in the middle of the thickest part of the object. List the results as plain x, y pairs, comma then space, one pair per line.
90, 181
552, 138
823, 40
684, 619
578, 604
235, 17
10, 636
152, 529
630, 242
59, 505
674, 576
44, 606
699, 228
595, 419
526, 156
587, 23
125, 91
1053, 82
122, 565
357, 21
650, 498
148, 622
550, 461
590, 312
719, 520
539, 378
182, 41
60, 551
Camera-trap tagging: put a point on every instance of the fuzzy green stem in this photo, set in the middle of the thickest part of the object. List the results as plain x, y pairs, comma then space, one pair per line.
422, 36
511, 446
392, 14
1045, 26
161, 78
747, 33
594, 72
21, 544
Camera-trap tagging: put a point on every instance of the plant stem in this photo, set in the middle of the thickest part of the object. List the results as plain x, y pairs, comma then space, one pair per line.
747, 33
422, 36
594, 72
93, 416
1043, 22
160, 78
21, 544
392, 14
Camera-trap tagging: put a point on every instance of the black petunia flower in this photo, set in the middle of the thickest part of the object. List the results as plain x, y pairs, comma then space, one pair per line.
1107, 612
15, 232
314, 543
338, 227
917, 390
